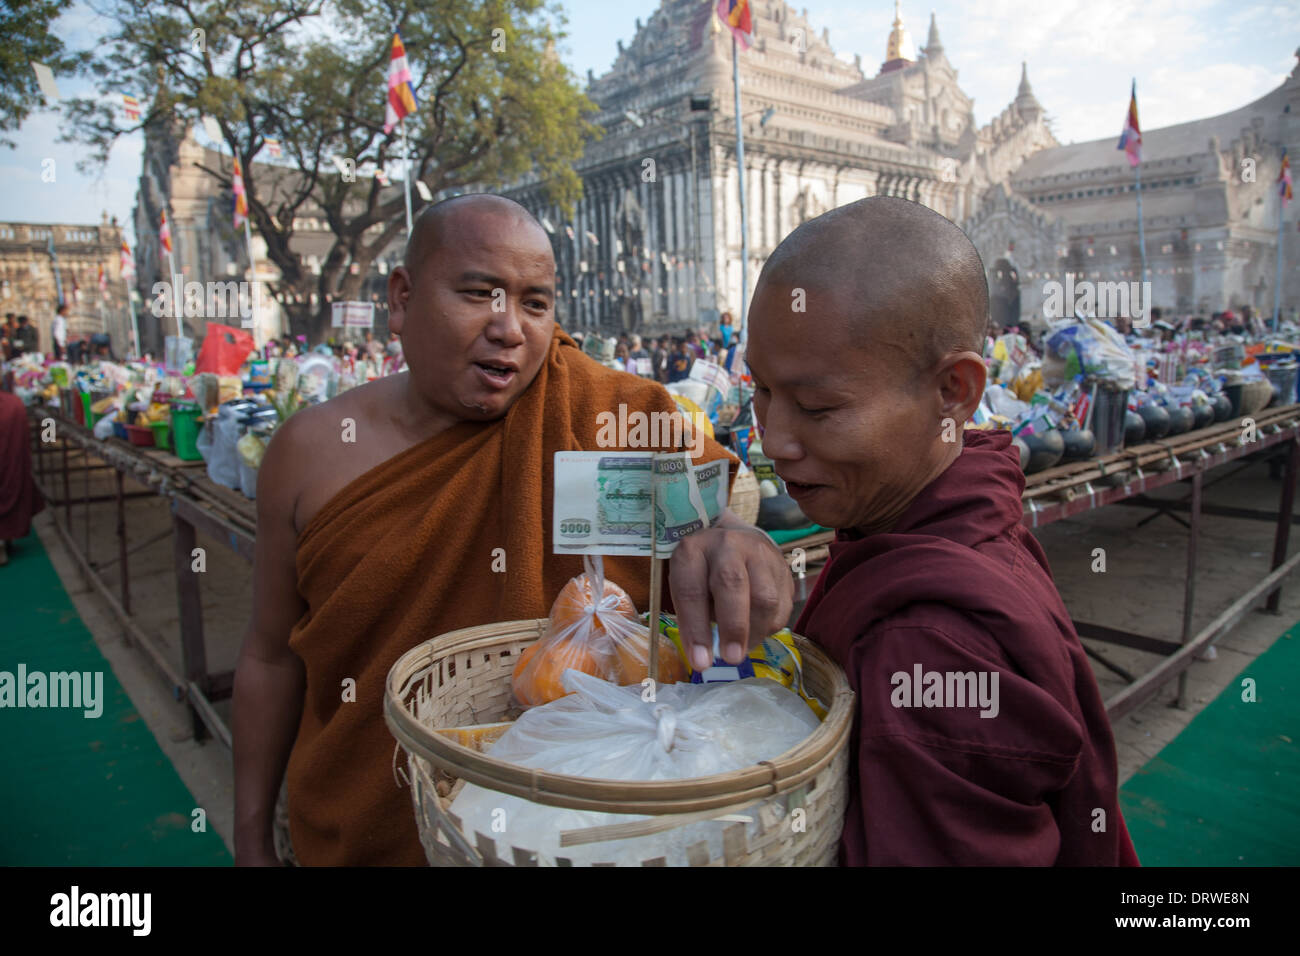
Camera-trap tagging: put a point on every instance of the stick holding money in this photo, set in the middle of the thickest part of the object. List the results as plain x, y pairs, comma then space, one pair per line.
656, 599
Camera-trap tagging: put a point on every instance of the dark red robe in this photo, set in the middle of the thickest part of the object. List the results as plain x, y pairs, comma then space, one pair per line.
19, 497
959, 586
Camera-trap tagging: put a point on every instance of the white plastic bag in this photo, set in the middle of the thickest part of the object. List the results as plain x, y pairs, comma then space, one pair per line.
604, 731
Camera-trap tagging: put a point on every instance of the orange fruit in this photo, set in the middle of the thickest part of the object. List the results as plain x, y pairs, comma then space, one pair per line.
574, 639
633, 659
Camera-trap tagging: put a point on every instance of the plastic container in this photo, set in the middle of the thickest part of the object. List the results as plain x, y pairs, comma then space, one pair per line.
162, 434
1108, 420
187, 419
1283, 375
119, 431
140, 435
78, 405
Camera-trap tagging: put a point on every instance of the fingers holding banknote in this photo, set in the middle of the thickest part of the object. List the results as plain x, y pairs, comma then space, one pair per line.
731, 574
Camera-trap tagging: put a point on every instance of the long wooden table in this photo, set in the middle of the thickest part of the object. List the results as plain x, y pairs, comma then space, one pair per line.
197, 503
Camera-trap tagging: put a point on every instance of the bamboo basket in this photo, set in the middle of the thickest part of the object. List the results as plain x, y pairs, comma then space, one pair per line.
1255, 395
745, 497
463, 678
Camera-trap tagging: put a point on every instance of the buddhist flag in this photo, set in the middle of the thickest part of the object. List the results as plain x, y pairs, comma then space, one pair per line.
125, 263
241, 201
401, 95
1284, 180
735, 16
1131, 139
165, 233
103, 282
273, 147
381, 176
131, 106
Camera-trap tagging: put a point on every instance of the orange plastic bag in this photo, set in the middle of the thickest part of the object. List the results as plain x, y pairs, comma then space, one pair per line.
603, 637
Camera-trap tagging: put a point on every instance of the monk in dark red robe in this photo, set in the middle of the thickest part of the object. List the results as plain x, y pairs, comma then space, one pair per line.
981, 736
20, 499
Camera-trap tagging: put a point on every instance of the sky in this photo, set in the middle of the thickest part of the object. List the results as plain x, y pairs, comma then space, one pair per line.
1191, 59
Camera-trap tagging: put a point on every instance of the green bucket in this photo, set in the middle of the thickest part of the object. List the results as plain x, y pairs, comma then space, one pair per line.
162, 434
88, 416
187, 419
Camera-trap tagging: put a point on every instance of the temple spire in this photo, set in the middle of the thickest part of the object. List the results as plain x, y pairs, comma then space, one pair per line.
1026, 102
933, 45
900, 48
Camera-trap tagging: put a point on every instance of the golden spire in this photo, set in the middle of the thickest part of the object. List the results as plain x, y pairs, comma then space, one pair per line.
900, 45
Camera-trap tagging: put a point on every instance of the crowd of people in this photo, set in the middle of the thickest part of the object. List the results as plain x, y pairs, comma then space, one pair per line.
669, 358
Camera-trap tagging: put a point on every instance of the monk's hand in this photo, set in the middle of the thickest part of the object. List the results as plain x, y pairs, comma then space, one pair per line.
732, 574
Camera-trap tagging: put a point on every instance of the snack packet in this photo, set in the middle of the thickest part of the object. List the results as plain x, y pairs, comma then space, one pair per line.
776, 658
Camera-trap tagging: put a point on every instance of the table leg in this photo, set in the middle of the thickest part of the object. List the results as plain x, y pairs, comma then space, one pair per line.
121, 546
1282, 537
193, 655
1189, 585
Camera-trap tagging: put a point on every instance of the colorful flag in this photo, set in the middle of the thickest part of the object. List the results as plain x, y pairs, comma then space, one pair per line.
568, 231
76, 290
273, 147
103, 281
165, 234
734, 15
241, 201
1284, 180
381, 176
132, 107
1131, 139
401, 94
126, 263
591, 237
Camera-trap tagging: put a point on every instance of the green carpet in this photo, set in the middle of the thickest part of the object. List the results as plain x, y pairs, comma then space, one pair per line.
78, 790
1226, 791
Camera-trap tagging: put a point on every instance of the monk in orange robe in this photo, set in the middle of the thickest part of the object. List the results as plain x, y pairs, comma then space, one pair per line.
382, 513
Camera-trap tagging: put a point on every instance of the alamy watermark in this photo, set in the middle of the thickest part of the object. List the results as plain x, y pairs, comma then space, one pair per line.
81, 690
639, 429
207, 300
1106, 300
947, 689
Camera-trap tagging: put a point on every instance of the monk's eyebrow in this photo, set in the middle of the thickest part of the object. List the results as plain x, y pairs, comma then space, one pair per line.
496, 282
481, 277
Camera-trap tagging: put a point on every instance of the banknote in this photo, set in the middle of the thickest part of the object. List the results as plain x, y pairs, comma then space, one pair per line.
603, 501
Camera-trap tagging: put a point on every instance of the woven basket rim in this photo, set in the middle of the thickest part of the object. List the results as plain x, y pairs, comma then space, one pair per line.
784, 772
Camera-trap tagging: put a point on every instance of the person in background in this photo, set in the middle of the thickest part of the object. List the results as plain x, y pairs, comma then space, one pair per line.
373, 347
681, 360
623, 358
693, 344
7, 336
59, 331
659, 356
725, 328
20, 499
26, 338
732, 360
639, 359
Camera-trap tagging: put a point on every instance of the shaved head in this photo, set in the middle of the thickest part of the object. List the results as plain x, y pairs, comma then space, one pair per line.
866, 350
445, 220
905, 278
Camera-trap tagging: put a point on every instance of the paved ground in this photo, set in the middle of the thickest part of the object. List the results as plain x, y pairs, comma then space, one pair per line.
1141, 590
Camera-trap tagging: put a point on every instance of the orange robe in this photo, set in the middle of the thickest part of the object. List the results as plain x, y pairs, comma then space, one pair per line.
405, 553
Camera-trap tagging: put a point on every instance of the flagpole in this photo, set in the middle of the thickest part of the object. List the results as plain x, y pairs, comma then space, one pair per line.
1277, 283
406, 158
178, 291
135, 326
252, 271
1142, 237
744, 215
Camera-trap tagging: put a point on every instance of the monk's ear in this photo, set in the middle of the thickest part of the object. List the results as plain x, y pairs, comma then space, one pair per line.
961, 383
399, 293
